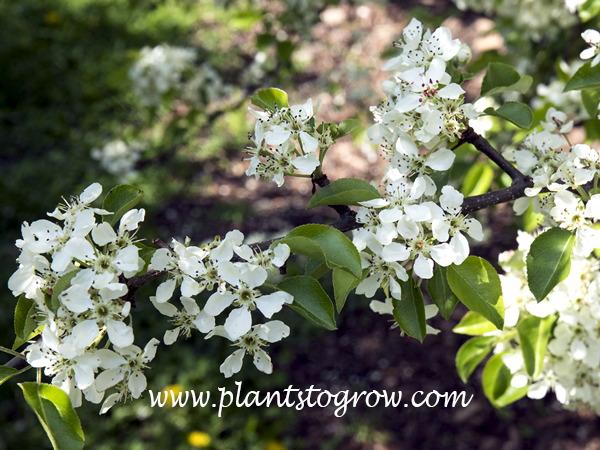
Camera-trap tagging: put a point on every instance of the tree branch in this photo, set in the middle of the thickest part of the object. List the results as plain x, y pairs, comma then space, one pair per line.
484, 147
17, 363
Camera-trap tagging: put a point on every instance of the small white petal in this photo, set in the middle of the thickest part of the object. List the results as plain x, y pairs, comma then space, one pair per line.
233, 363
238, 323
165, 291
262, 361
171, 336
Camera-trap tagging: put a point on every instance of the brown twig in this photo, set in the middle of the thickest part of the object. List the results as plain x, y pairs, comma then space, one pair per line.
485, 147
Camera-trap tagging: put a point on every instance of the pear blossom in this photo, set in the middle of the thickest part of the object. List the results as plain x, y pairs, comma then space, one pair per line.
243, 278
127, 376
251, 343
190, 318
274, 153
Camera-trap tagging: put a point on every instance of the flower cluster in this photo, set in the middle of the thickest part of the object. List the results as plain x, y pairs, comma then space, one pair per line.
159, 70
572, 361
560, 173
235, 272
274, 152
401, 228
75, 273
422, 102
407, 225
89, 260
119, 158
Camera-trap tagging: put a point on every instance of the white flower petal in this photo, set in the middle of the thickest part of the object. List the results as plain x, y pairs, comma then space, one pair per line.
238, 323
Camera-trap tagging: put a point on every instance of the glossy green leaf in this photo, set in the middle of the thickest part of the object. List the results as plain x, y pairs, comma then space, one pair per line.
501, 77
440, 292
324, 243
518, 113
590, 99
409, 311
345, 191
310, 300
343, 283
471, 353
316, 269
534, 333
62, 284
7, 373
119, 200
473, 325
498, 75
53, 408
478, 180
496, 383
587, 77
346, 127
270, 99
549, 261
477, 285
531, 221
22, 314
25, 325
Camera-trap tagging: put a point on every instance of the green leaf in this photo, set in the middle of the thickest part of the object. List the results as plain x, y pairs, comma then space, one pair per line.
549, 261
326, 244
474, 325
501, 77
589, 10
496, 383
477, 285
7, 373
22, 315
409, 311
518, 113
346, 127
590, 99
316, 269
119, 200
53, 408
587, 77
534, 333
498, 75
456, 75
440, 292
61, 285
478, 180
310, 300
145, 253
345, 191
270, 99
343, 283
471, 353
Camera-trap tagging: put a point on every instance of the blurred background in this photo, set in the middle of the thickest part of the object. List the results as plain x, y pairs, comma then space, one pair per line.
155, 93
